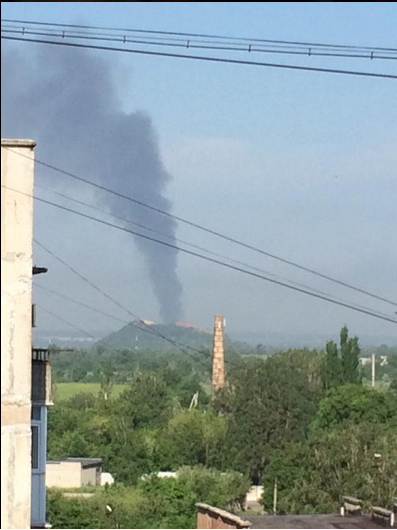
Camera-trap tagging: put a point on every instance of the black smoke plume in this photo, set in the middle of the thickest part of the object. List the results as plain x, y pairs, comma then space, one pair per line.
68, 101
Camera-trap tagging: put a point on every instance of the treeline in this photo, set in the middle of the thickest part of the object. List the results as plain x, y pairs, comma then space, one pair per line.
300, 418
89, 365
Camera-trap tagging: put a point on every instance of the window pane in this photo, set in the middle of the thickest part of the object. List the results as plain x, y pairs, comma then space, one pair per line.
36, 413
35, 447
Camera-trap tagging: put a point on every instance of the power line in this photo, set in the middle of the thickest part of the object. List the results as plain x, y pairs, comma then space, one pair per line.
205, 229
130, 324
61, 319
146, 327
204, 58
203, 44
205, 258
195, 35
91, 308
197, 247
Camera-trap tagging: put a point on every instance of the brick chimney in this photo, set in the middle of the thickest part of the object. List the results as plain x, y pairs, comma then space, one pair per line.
218, 355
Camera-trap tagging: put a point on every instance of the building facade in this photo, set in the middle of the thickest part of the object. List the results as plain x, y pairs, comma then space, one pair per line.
41, 399
17, 176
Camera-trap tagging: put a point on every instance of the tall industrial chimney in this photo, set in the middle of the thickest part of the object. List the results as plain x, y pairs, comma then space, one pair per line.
218, 355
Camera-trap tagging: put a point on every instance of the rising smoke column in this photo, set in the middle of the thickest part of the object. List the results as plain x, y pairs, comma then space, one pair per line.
68, 101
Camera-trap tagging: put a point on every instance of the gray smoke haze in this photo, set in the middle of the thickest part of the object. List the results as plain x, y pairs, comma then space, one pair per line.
67, 100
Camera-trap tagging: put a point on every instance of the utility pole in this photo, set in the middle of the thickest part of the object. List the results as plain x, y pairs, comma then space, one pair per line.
275, 497
373, 368
194, 401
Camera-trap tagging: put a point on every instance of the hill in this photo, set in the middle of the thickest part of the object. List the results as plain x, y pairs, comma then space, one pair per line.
137, 335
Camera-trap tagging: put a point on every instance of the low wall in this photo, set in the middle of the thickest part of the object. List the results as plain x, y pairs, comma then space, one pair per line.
383, 517
351, 505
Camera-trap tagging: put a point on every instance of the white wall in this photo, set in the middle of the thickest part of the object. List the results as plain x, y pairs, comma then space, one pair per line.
63, 475
17, 172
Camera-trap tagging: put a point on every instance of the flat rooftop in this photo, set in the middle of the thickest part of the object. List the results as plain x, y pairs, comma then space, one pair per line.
311, 521
17, 142
85, 462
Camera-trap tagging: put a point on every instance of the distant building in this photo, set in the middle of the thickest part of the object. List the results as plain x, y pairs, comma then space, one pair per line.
161, 474
383, 360
74, 473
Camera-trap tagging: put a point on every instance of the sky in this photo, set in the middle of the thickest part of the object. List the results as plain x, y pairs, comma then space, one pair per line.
300, 164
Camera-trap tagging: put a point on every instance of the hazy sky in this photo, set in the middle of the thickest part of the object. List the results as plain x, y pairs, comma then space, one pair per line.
301, 164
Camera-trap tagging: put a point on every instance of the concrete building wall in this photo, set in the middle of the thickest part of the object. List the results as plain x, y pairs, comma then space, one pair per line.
254, 496
17, 172
63, 475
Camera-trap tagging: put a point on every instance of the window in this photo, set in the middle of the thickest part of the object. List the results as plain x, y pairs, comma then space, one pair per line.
35, 447
36, 413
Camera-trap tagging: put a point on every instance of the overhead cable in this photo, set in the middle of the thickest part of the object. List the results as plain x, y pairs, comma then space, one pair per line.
205, 58
205, 258
206, 229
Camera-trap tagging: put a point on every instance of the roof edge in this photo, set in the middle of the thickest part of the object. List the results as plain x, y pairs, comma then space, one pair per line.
224, 514
17, 142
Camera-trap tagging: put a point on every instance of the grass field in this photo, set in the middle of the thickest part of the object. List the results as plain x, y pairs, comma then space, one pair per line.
64, 391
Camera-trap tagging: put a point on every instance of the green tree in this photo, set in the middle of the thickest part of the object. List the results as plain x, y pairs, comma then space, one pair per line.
339, 367
331, 369
70, 513
171, 502
343, 459
351, 447
193, 437
355, 404
350, 356
269, 402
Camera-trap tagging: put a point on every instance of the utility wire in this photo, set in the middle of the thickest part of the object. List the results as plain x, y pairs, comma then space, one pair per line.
205, 258
197, 247
203, 45
204, 58
243, 45
91, 308
146, 327
204, 229
193, 35
153, 331
102, 292
61, 319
